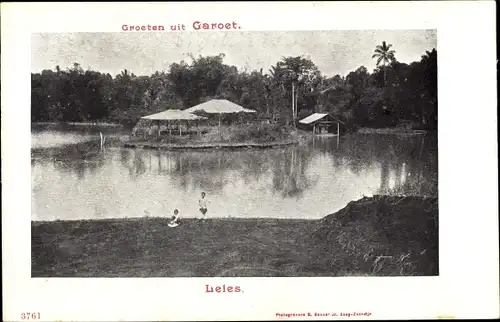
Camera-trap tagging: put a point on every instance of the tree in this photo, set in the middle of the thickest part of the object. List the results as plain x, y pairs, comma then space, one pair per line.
276, 88
326, 94
384, 55
301, 73
428, 76
403, 91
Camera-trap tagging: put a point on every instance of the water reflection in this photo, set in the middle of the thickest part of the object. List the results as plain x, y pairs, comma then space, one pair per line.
214, 170
412, 170
310, 180
290, 177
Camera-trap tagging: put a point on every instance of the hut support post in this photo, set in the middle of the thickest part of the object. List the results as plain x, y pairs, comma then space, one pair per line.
158, 132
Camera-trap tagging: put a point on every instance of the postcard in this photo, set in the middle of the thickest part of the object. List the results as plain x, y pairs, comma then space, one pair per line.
249, 161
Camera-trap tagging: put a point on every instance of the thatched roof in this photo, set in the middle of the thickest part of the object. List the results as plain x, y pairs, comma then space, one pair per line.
172, 115
217, 106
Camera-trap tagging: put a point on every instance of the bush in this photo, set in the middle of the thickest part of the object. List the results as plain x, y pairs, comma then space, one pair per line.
260, 133
253, 132
247, 133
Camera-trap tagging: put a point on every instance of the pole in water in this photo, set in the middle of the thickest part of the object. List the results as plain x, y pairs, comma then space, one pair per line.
102, 139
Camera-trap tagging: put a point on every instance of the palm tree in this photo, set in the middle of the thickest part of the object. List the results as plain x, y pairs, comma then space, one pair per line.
429, 56
276, 75
385, 55
124, 75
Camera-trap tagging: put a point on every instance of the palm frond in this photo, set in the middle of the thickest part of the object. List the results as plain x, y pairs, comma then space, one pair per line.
379, 51
379, 60
376, 55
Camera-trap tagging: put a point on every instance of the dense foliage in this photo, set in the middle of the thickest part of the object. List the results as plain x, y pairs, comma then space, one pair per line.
392, 93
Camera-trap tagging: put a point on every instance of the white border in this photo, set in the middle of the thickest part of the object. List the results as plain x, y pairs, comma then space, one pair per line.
468, 283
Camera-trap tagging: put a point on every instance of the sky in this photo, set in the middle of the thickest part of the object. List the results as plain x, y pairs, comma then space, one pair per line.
144, 53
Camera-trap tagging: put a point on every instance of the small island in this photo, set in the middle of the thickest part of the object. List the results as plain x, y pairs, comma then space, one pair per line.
216, 123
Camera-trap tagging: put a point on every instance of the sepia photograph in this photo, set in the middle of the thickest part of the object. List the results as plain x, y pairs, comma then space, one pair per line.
246, 161
234, 154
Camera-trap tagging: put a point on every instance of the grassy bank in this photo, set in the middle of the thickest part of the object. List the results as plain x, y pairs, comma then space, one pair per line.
372, 236
381, 235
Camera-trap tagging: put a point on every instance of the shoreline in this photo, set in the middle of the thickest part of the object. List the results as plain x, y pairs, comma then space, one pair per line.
362, 130
395, 131
166, 219
399, 238
207, 146
104, 124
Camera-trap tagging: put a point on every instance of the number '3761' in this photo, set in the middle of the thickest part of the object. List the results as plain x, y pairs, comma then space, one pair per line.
30, 316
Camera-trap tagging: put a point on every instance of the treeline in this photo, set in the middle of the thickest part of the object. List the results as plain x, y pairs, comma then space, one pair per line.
392, 93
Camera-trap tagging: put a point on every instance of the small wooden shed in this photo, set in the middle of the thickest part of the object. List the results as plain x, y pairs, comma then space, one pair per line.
322, 124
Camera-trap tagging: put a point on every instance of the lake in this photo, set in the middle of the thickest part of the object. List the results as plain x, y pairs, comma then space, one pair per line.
310, 180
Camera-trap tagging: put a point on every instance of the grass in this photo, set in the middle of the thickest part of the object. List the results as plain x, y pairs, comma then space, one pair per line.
257, 133
382, 235
147, 247
377, 236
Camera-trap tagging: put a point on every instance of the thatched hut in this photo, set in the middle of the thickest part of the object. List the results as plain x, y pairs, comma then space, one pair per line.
171, 120
219, 108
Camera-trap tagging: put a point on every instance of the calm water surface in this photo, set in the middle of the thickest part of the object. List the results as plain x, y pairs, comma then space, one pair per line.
307, 181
